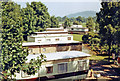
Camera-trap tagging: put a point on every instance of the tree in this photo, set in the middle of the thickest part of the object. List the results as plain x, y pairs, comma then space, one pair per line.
64, 18
35, 18
76, 23
34, 65
72, 19
79, 19
54, 22
108, 20
13, 54
67, 23
90, 24
96, 27
59, 19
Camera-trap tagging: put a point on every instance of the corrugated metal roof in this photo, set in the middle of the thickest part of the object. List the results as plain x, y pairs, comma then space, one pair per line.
59, 55
48, 43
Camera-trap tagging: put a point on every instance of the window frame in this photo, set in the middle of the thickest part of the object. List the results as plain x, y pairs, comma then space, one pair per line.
51, 68
69, 38
65, 66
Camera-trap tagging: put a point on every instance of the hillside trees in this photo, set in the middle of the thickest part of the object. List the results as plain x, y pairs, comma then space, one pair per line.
54, 22
13, 54
79, 19
35, 18
76, 23
67, 23
90, 24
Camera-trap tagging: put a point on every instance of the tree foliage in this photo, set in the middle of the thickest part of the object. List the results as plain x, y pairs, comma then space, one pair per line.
13, 54
54, 22
67, 23
76, 23
90, 24
15, 23
35, 18
79, 19
109, 24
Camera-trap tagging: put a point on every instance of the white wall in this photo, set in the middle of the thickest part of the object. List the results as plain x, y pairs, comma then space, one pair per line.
53, 39
71, 67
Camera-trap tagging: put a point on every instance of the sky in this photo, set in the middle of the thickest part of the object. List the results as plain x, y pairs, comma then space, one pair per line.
66, 7
58, 0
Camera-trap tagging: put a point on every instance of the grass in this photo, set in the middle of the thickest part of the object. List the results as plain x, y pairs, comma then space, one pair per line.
99, 58
94, 57
77, 37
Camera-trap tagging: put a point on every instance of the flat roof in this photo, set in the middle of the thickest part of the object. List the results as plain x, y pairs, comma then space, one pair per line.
53, 28
52, 32
59, 55
50, 35
48, 43
79, 27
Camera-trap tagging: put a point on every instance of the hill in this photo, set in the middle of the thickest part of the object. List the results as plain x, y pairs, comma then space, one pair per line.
83, 14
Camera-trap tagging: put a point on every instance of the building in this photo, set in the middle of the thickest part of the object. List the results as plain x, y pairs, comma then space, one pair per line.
59, 65
77, 29
64, 57
52, 40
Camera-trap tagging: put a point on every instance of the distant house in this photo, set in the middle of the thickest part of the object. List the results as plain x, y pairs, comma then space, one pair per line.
77, 29
52, 40
60, 65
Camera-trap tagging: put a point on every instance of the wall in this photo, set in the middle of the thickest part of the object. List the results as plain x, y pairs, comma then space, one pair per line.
55, 48
53, 39
30, 39
34, 49
48, 49
71, 63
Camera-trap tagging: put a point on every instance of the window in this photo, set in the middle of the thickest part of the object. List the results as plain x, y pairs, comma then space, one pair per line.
82, 65
57, 39
30, 50
48, 40
49, 69
69, 38
62, 68
39, 40
44, 49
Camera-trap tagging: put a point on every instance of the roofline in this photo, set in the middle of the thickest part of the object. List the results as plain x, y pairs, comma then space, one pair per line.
53, 44
69, 58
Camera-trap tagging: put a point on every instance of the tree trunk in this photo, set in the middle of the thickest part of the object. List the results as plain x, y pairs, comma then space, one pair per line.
109, 52
38, 74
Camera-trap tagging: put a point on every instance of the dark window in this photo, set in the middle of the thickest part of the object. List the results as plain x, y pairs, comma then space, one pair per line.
62, 68
49, 69
69, 38
57, 39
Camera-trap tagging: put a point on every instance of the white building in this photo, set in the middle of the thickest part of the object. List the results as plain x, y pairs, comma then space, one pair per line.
63, 65
77, 29
64, 57
52, 40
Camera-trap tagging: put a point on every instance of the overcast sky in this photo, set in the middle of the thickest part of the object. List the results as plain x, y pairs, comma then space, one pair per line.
66, 7
58, 0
